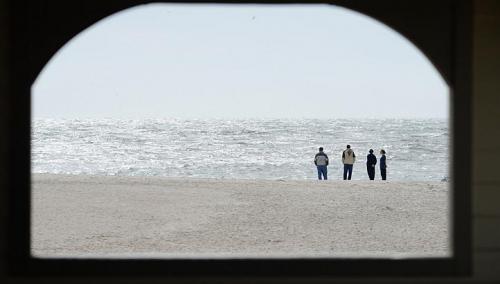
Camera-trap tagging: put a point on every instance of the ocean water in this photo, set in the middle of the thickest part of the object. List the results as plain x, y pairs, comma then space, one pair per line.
417, 149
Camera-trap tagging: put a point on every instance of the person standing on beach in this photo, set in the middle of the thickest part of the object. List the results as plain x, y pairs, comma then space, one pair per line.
371, 161
383, 165
321, 162
348, 159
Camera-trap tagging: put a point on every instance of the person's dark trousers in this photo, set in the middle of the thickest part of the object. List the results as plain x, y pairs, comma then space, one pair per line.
371, 171
322, 171
383, 173
347, 171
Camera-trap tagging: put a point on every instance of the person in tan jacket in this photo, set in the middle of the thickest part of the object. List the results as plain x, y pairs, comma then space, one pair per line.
348, 159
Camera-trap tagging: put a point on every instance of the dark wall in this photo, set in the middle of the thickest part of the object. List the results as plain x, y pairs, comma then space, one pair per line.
4, 117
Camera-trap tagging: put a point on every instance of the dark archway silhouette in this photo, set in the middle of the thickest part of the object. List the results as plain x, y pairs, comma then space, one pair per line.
441, 29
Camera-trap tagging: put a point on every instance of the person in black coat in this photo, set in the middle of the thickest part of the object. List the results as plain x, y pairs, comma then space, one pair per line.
383, 165
371, 161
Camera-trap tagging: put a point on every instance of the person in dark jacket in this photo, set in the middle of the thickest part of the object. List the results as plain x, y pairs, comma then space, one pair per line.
383, 165
321, 162
371, 161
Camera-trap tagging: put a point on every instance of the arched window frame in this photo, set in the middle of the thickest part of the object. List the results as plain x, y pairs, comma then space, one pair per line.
39, 28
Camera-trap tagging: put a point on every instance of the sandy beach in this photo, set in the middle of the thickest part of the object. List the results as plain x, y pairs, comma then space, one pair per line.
99, 216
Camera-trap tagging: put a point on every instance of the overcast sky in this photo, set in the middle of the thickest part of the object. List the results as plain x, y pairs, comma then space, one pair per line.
200, 61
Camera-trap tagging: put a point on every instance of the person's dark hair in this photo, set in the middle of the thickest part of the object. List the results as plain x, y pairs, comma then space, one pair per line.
382, 151
348, 146
371, 151
320, 149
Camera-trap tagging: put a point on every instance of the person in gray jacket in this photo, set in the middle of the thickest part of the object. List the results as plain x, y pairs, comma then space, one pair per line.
348, 159
321, 162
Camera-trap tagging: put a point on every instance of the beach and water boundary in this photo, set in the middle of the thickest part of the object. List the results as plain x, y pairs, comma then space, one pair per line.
124, 216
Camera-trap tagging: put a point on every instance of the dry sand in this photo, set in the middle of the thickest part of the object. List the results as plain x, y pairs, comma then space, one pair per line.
81, 216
